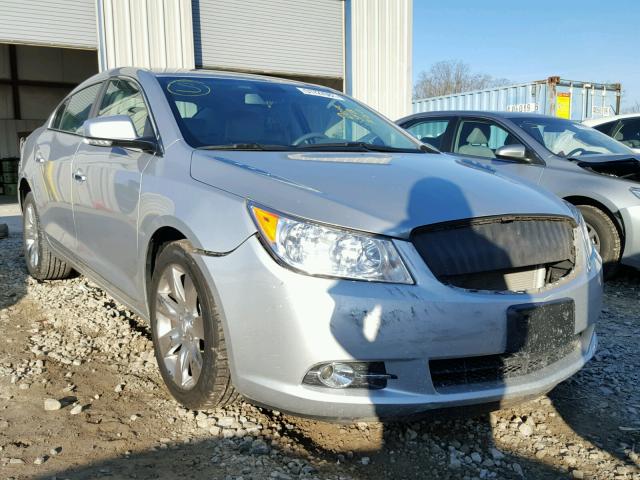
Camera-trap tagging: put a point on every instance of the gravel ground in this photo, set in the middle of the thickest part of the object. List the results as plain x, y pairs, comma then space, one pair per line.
81, 397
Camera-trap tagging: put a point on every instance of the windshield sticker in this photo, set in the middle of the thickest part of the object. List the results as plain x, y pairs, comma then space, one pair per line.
188, 88
319, 93
360, 118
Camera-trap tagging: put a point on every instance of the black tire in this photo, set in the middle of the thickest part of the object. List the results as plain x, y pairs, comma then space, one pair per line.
608, 238
213, 387
45, 265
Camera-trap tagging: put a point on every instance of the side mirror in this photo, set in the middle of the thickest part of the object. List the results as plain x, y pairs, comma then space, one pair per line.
512, 152
116, 131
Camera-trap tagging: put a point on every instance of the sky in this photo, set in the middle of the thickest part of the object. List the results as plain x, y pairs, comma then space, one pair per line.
587, 40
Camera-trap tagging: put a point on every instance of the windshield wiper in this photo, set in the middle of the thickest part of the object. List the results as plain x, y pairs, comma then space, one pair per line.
244, 146
363, 146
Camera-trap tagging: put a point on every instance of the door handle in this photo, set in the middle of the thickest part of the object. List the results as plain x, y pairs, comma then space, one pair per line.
78, 176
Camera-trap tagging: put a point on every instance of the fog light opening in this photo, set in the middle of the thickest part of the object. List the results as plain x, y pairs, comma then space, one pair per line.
336, 375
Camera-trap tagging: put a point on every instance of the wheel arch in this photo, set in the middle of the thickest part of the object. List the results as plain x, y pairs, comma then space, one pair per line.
23, 189
615, 218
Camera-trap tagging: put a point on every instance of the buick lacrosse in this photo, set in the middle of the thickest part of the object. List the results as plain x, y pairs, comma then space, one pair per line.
290, 245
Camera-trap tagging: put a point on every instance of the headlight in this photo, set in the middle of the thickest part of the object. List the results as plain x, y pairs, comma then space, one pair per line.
317, 249
635, 191
583, 230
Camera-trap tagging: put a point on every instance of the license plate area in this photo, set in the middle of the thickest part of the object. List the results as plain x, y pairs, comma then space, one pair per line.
539, 328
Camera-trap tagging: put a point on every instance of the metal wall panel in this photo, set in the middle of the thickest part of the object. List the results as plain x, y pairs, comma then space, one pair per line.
585, 99
9, 130
297, 37
146, 33
379, 63
65, 23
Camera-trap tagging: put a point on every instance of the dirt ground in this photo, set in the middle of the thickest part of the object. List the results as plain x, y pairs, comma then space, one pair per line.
69, 342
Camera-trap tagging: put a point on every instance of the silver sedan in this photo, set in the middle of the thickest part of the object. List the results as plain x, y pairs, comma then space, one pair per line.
290, 245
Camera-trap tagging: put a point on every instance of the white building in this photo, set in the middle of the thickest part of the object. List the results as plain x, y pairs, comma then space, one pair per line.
362, 47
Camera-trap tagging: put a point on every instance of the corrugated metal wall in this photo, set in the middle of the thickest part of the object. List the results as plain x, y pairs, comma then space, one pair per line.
585, 99
299, 37
146, 33
9, 130
379, 62
69, 23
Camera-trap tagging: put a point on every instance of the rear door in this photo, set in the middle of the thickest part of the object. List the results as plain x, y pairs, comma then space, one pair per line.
106, 187
477, 139
54, 154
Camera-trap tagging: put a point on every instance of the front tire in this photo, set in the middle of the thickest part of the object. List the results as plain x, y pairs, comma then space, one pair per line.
187, 332
604, 234
42, 264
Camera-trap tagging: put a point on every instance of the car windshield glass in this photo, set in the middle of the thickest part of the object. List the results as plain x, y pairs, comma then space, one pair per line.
266, 115
569, 139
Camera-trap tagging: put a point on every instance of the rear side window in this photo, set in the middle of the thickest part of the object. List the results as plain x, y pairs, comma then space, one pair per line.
430, 131
124, 98
76, 109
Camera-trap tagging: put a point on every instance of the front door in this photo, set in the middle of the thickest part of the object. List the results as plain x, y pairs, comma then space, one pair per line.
106, 188
478, 140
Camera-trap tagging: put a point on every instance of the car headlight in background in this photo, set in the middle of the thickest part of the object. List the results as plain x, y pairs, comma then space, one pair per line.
583, 230
317, 249
635, 191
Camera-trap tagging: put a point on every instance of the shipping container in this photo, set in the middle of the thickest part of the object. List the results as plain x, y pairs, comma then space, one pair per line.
553, 96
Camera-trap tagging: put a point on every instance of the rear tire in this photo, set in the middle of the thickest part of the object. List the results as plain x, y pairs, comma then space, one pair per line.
187, 332
41, 262
604, 234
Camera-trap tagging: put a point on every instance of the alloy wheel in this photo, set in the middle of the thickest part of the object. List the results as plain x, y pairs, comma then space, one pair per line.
594, 237
180, 326
31, 237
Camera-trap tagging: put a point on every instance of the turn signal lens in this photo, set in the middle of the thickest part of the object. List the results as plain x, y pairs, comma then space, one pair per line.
268, 223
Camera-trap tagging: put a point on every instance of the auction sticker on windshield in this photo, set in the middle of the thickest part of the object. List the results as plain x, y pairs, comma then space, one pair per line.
319, 93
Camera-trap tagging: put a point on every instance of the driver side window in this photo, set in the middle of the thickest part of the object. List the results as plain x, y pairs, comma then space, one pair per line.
481, 138
124, 98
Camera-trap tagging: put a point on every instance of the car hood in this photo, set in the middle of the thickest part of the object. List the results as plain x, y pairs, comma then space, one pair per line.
606, 157
381, 193
625, 166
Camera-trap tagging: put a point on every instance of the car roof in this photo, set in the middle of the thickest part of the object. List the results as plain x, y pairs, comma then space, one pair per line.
475, 113
600, 121
137, 72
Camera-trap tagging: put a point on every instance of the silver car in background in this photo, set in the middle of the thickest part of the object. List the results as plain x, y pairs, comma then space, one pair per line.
288, 244
579, 164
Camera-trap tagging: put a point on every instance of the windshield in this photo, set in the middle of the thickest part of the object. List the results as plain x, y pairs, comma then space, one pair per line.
569, 139
257, 114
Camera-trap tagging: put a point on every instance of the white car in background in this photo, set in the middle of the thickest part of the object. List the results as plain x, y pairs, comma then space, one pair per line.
624, 128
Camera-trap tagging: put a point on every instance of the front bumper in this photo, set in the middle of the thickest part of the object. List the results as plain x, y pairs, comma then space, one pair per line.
631, 220
278, 324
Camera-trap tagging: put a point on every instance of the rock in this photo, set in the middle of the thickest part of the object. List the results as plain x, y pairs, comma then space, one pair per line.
365, 460
76, 410
16, 461
496, 454
518, 469
39, 460
51, 404
579, 474
119, 388
260, 447
454, 461
475, 456
525, 429
226, 422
